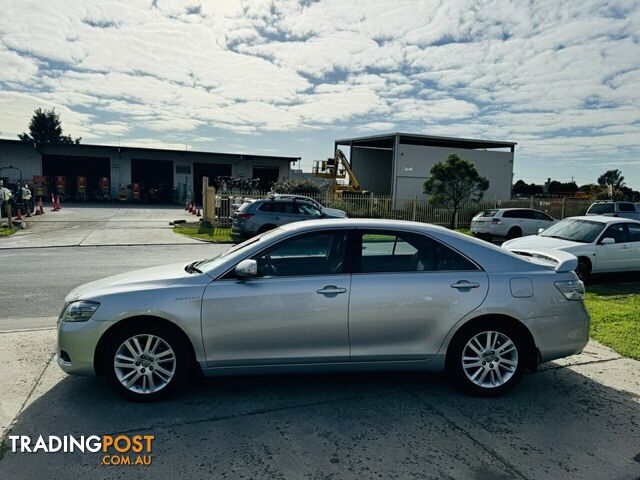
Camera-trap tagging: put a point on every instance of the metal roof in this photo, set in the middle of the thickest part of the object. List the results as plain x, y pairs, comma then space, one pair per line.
119, 148
388, 140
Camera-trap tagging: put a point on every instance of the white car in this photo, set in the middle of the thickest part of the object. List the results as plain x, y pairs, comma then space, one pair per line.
509, 222
601, 243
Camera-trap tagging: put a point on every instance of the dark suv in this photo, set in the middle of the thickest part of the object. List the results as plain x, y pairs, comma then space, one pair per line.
258, 216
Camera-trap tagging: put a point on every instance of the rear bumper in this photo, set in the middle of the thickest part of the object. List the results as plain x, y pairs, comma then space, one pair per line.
562, 335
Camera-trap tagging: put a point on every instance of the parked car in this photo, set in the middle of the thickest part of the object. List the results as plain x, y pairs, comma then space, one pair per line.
330, 295
615, 209
602, 244
333, 212
259, 216
509, 222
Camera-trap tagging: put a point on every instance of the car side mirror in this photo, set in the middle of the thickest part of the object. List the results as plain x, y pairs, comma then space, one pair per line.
246, 268
540, 230
608, 241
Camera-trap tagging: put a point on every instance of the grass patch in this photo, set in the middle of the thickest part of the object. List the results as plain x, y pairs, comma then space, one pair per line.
5, 232
615, 316
205, 232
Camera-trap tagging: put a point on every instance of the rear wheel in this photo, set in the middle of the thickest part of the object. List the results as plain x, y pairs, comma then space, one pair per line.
514, 232
146, 362
487, 360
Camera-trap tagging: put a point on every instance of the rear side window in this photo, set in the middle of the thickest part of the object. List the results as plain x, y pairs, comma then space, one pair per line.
388, 252
634, 232
626, 207
278, 207
517, 214
600, 208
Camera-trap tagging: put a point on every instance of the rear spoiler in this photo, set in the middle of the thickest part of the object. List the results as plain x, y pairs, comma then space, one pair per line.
566, 262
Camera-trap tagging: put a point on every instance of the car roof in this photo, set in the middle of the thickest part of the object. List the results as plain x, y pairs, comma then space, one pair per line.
602, 219
361, 223
515, 208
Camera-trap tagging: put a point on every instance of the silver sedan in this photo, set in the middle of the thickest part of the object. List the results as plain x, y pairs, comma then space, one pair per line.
330, 295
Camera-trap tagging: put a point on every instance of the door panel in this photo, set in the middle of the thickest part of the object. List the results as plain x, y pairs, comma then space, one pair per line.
407, 315
275, 320
634, 245
616, 256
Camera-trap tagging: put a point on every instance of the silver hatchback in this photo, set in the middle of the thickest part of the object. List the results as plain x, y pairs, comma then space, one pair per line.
330, 295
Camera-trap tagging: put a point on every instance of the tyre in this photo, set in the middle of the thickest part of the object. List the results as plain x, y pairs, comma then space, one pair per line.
487, 359
514, 232
147, 362
583, 269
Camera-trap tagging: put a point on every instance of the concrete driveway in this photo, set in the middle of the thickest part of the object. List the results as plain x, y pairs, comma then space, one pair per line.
82, 225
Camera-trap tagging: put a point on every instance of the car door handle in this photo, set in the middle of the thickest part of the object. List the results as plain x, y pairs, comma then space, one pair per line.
465, 284
331, 290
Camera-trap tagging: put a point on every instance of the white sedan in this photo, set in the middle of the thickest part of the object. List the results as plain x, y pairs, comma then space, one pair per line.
602, 244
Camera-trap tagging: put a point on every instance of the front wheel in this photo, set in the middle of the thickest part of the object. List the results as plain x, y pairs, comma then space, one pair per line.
487, 360
584, 269
146, 363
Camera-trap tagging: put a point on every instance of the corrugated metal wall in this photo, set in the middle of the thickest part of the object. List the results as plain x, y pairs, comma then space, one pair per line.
22, 155
413, 163
373, 169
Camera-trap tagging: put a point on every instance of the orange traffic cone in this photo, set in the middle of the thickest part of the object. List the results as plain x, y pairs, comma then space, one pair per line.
19, 215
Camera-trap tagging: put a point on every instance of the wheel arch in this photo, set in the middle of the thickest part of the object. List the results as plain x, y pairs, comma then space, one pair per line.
98, 356
532, 354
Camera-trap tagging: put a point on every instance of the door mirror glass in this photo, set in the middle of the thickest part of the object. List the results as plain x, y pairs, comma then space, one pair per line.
608, 241
247, 268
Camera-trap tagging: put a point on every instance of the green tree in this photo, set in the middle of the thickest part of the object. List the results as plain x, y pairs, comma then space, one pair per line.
45, 127
455, 182
611, 179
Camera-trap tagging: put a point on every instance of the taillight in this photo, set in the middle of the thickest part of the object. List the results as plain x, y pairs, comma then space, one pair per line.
496, 221
245, 215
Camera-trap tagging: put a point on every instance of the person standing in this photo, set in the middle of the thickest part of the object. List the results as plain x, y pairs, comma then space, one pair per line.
27, 198
5, 199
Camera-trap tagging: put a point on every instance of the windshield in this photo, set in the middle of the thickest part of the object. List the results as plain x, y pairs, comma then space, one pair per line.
213, 262
575, 230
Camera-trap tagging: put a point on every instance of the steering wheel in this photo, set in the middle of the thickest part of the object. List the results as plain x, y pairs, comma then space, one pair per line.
268, 268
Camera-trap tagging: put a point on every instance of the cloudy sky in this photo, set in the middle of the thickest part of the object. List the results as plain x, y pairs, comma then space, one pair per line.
561, 78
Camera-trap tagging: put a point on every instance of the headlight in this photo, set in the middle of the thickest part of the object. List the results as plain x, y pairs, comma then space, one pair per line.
571, 289
79, 311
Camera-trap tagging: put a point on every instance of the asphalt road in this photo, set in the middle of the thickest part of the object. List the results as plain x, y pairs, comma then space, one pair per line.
35, 281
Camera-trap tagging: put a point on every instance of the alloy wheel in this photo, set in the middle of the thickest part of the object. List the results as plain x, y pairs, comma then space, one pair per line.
145, 364
490, 359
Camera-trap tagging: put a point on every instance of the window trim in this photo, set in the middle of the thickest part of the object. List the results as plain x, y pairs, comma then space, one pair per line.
356, 252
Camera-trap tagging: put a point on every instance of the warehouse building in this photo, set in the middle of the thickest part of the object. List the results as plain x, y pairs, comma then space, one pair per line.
398, 164
162, 175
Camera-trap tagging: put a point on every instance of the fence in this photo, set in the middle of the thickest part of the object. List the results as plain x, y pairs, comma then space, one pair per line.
414, 209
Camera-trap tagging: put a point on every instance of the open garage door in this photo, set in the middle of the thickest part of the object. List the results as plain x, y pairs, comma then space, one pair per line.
211, 170
71, 167
155, 178
267, 175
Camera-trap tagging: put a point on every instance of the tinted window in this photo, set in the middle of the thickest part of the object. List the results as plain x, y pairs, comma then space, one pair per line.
626, 207
617, 232
407, 252
542, 216
599, 208
308, 210
488, 213
517, 214
634, 232
313, 254
278, 207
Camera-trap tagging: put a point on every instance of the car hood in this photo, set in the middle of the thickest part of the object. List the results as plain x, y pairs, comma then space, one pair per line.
147, 278
538, 241
334, 213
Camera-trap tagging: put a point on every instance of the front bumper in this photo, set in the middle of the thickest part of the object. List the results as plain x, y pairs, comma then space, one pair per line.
77, 343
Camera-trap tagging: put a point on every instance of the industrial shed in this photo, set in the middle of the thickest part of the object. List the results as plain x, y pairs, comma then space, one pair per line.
398, 164
163, 175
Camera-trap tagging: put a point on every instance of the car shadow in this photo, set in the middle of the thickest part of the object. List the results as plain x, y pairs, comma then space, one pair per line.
556, 424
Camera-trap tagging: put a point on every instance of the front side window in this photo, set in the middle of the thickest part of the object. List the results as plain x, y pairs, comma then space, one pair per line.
407, 252
311, 254
618, 232
542, 216
626, 207
309, 210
